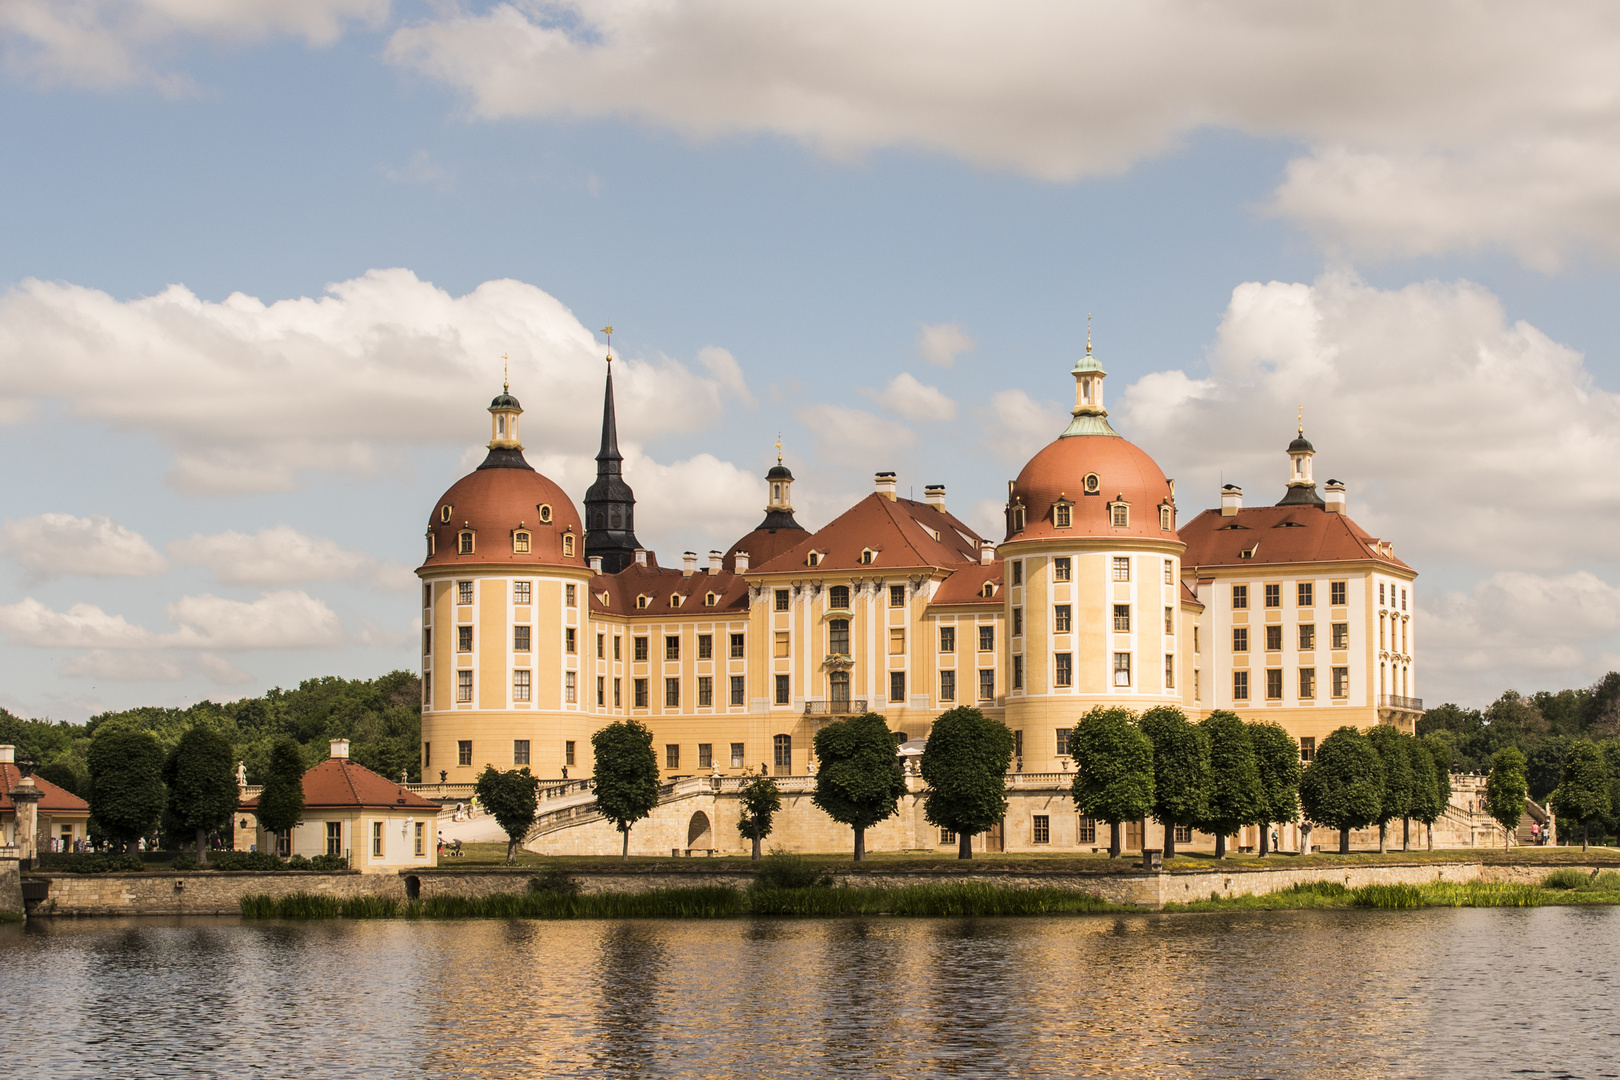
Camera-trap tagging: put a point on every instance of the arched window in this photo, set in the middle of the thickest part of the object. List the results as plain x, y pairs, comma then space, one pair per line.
813, 559
520, 542
618, 518
783, 746
601, 520
837, 693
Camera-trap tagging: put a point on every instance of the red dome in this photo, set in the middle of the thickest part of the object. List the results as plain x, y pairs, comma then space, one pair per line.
1124, 473
495, 504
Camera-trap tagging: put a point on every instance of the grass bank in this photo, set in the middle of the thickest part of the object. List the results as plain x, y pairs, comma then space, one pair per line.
1566, 886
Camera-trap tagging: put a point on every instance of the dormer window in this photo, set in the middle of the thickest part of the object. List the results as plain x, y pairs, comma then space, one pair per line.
675, 599
868, 556
988, 590
1091, 484
1063, 514
466, 542
813, 559
545, 513
431, 545
568, 546
643, 601
710, 599
520, 542
1119, 514
1167, 517
1018, 519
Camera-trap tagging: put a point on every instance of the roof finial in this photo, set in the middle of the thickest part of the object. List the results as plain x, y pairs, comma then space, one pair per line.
608, 330
506, 374
779, 448
1302, 420
1088, 333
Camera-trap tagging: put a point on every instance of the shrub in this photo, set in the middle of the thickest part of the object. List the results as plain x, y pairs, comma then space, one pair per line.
784, 870
1387, 896
1607, 881
326, 864
184, 862
1565, 878
91, 862
245, 860
554, 882
298, 862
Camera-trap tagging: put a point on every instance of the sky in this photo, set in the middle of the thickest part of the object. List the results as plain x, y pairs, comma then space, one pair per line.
260, 261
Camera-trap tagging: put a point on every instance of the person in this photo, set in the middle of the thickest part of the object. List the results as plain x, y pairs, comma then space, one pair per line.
565, 772
1273, 839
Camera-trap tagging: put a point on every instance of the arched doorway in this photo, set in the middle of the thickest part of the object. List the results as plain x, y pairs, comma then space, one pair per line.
698, 832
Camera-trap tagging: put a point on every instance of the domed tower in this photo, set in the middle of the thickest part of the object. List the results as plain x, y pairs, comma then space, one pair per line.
503, 615
779, 530
1093, 579
1301, 488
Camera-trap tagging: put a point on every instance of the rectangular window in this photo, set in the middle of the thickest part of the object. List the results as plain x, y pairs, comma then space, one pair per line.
1273, 638
520, 686
1274, 595
1018, 572
520, 751
639, 648
1122, 669
987, 638
427, 755
1240, 597
1307, 682
1341, 682
838, 597
737, 755
1307, 749
1380, 592
520, 638
783, 690
782, 746
1122, 618
520, 592
946, 836
641, 693
334, 838
737, 690
1063, 515
1183, 834
568, 752
464, 752
570, 687
1240, 686
464, 639
1274, 684
987, 684
1338, 593
705, 690
601, 692
1196, 683
705, 646
618, 647
420, 840
1063, 742
1169, 571
1381, 636
947, 686
781, 644
1041, 829
1062, 669
672, 756
1018, 743
1018, 673
1307, 636
1086, 831
463, 592
1017, 622
376, 839
705, 755
1306, 594
897, 686
782, 597
618, 699
1240, 639
672, 693
672, 647
1169, 619
427, 595
1062, 569
897, 641
1169, 671
897, 596
464, 686
570, 639
427, 641
1403, 599
1062, 619
601, 646
736, 646
1196, 646
947, 639
570, 595
1122, 568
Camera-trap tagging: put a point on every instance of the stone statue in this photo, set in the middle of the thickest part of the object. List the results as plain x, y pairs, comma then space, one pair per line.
241, 775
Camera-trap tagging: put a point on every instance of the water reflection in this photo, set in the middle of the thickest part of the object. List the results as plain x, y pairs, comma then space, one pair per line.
1290, 994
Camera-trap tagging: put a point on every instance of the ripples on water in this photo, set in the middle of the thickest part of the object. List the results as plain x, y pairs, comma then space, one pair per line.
1468, 993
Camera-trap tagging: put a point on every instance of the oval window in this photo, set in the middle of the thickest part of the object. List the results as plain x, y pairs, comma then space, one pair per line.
545, 513
444, 513
1093, 483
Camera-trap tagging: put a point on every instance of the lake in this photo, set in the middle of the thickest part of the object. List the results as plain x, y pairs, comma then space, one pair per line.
1465, 993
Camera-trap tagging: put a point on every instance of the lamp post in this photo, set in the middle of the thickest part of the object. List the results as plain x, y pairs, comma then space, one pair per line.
25, 797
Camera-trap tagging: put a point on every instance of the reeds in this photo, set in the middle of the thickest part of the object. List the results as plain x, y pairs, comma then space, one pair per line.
930, 900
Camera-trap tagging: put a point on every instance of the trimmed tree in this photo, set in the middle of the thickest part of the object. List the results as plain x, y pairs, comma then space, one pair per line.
1397, 765
512, 797
281, 799
126, 782
860, 780
1115, 762
626, 776
965, 766
1429, 800
761, 799
1181, 771
1343, 786
1235, 796
1276, 756
1505, 791
202, 783
1583, 792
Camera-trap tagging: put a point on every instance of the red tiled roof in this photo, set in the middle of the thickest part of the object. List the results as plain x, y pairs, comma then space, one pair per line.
1059, 471
762, 546
966, 586
659, 585
54, 800
1278, 534
494, 503
903, 532
338, 783
1189, 596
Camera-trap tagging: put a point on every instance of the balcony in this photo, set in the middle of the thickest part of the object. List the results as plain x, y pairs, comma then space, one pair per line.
834, 706
1392, 701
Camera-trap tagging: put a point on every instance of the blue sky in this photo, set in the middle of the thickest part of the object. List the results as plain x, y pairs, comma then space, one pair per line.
771, 214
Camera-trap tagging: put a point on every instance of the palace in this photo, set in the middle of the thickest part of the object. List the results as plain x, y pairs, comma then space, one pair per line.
540, 626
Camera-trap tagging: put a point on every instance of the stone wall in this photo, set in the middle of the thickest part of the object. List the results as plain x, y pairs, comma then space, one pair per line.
11, 900
196, 893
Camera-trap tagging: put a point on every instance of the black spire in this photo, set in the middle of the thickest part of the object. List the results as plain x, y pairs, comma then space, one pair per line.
610, 505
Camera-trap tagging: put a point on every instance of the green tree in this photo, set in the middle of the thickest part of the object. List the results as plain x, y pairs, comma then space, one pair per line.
1235, 795
512, 797
965, 766
126, 782
1397, 766
202, 783
1505, 791
761, 799
281, 799
1114, 759
1343, 786
860, 781
1429, 798
1583, 793
626, 776
1276, 756
1181, 770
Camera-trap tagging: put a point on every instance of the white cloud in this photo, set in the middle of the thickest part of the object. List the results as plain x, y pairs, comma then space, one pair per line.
136, 666
941, 343
1015, 425
284, 619
284, 556
914, 400
249, 395
726, 372
110, 43
698, 504
854, 437
220, 671
421, 169
61, 545
82, 626
1429, 127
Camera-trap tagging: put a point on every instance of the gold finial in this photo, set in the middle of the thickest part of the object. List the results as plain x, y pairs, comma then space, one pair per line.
608, 330
1302, 420
1088, 333
779, 448
506, 374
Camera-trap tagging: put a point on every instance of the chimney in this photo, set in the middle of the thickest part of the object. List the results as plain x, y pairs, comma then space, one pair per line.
8, 755
1333, 495
716, 562
987, 552
886, 484
595, 562
688, 563
340, 748
741, 562
1231, 500
641, 556
934, 495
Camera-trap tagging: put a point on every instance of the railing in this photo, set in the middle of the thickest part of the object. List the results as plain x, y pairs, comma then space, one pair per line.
834, 706
1393, 701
